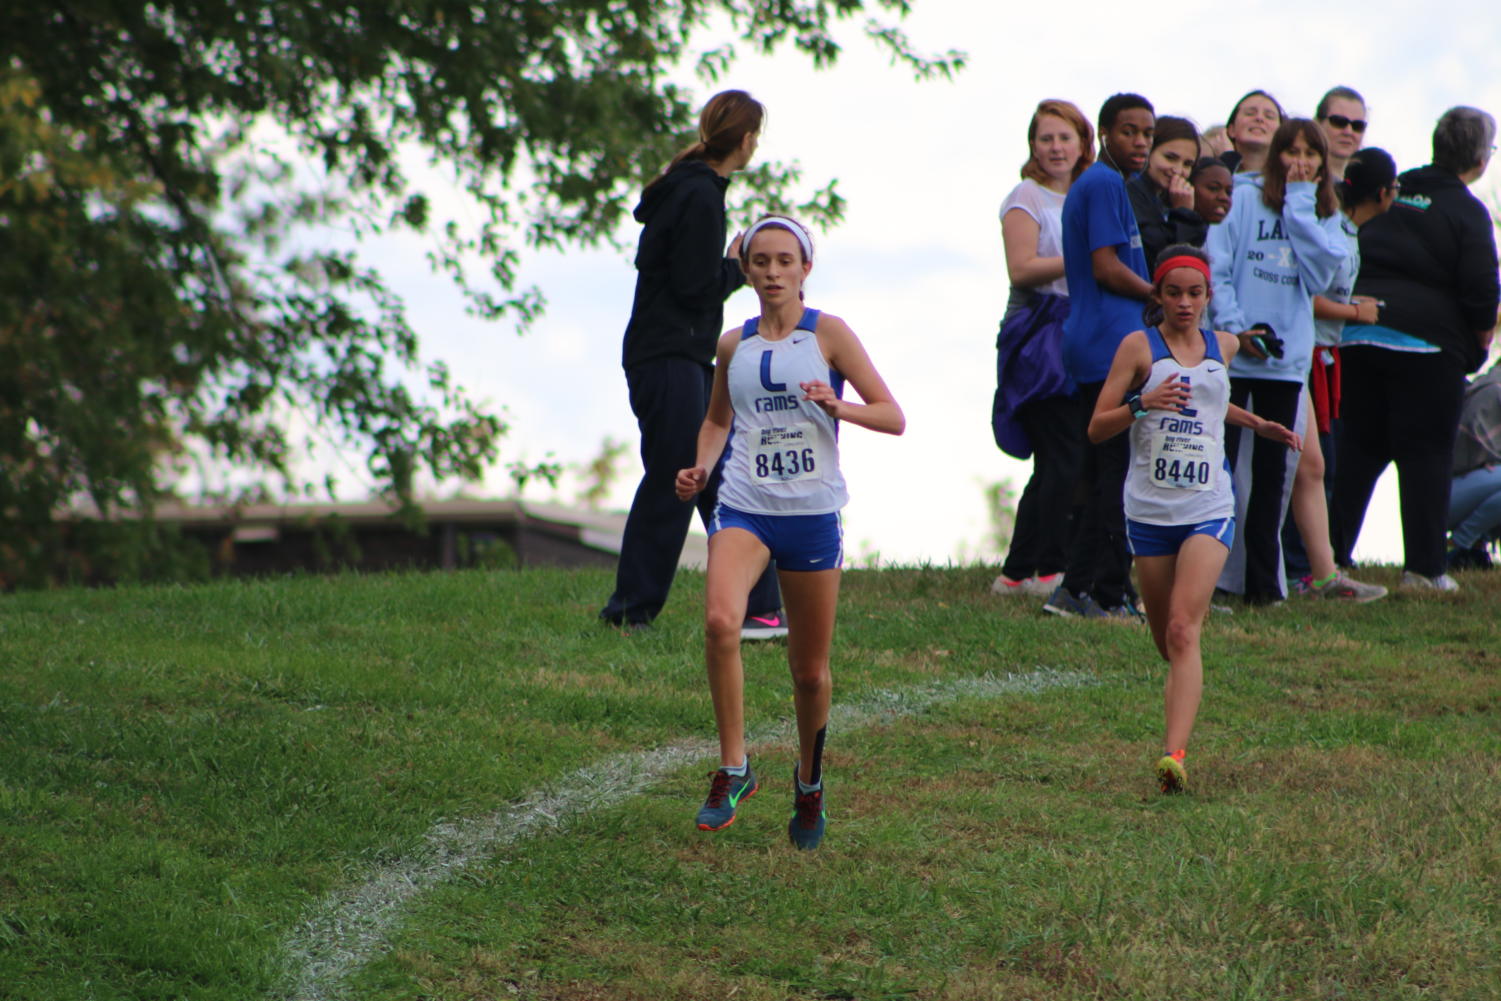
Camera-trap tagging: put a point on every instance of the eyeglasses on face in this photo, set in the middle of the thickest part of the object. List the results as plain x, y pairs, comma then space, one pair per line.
1341, 122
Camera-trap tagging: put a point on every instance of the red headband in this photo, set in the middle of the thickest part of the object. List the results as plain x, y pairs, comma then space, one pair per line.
1181, 261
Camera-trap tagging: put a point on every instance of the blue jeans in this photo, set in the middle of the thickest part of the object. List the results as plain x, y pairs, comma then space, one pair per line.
1475, 506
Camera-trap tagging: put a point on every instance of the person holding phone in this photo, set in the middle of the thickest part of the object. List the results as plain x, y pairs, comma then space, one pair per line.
1280, 244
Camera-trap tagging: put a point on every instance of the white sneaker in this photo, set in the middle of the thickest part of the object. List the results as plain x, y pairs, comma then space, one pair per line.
1417, 582
1035, 587
1346, 588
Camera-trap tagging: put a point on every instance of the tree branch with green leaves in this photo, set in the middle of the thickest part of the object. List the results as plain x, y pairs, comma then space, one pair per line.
170, 174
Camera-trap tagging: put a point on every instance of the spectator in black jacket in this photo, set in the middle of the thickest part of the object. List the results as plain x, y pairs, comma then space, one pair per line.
684, 274
1161, 196
1431, 263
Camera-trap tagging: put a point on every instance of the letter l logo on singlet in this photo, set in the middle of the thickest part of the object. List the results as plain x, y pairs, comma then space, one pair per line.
771, 387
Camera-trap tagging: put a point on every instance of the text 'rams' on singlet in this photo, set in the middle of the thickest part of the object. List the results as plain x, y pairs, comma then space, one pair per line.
784, 450
1178, 473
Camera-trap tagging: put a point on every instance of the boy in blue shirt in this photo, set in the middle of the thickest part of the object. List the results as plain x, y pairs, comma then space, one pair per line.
1107, 284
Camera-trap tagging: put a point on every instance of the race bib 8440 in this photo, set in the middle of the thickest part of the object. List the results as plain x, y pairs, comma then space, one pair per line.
1181, 461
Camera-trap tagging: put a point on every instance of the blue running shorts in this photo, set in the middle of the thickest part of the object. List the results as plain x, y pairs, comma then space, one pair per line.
797, 541
1164, 540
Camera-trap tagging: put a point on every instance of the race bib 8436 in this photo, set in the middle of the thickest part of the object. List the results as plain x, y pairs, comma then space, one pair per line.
784, 454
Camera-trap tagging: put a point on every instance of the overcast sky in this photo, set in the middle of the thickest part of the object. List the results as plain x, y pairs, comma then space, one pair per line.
917, 267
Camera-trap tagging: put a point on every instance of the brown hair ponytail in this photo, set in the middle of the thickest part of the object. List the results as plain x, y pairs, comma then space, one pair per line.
726, 120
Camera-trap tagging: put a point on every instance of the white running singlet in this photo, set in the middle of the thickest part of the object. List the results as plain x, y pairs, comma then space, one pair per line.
783, 452
1178, 473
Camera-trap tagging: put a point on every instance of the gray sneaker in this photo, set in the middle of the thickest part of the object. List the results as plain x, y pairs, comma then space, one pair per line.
1347, 588
1033, 587
1417, 582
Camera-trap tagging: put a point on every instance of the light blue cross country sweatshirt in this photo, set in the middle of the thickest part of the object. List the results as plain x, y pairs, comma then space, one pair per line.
1266, 267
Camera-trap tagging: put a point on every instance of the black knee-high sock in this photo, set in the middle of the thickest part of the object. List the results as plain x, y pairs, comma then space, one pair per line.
816, 775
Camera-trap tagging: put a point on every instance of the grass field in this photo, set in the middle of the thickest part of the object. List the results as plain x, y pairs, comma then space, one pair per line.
461, 787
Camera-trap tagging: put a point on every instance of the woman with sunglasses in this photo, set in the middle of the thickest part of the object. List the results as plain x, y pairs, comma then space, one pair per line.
1342, 114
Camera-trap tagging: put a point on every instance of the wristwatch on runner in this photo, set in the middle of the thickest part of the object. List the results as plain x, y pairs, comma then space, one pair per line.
1133, 400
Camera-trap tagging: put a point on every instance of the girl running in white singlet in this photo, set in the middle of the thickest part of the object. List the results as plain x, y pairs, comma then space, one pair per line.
1180, 511
777, 383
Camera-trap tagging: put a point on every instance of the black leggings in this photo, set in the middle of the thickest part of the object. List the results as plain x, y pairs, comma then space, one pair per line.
1266, 505
1099, 564
1044, 514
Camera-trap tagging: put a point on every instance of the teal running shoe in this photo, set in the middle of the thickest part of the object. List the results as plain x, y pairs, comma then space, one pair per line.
805, 829
725, 793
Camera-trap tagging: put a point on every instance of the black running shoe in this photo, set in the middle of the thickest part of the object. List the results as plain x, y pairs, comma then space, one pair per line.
807, 823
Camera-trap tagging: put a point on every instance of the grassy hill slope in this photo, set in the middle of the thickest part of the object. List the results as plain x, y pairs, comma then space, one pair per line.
461, 786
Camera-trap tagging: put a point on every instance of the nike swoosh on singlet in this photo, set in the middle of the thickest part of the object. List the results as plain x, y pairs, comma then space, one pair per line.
1211, 370
798, 340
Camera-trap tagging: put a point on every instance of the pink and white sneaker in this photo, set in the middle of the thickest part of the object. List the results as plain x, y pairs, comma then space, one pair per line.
764, 627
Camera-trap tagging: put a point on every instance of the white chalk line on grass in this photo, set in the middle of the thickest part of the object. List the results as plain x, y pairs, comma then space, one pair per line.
349, 927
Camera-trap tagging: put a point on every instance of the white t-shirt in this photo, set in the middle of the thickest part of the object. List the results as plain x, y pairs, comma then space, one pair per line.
1046, 207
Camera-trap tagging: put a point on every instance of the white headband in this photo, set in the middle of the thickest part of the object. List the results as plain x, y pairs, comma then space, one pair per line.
791, 224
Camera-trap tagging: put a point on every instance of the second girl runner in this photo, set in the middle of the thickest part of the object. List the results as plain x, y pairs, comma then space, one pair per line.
1180, 511
777, 389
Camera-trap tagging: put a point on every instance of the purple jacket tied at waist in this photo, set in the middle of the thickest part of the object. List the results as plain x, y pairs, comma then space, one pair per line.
1029, 366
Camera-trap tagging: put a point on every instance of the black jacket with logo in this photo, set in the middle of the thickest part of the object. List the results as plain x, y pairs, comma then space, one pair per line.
682, 273
1432, 260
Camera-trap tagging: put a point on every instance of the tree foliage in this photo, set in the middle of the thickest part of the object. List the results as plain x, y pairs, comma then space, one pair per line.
170, 171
